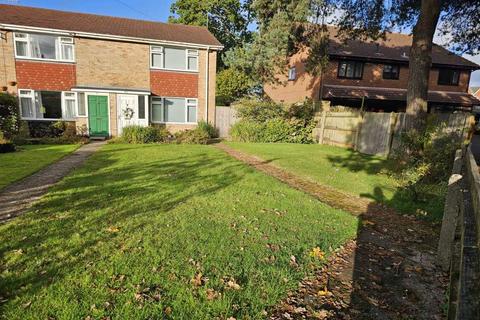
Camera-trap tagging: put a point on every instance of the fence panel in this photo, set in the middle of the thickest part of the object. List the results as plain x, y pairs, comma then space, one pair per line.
340, 128
225, 117
374, 135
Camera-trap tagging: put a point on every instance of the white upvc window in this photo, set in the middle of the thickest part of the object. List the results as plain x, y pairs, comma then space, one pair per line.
44, 47
173, 58
81, 104
174, 110
48, 105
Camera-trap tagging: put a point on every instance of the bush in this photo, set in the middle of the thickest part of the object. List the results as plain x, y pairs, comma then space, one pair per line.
9, 115
140, 134
194, 136
232, 84
247, 131
6, 145
273, 130
208, 128
259, 110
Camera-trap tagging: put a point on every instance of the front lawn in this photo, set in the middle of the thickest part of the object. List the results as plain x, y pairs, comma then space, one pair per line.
29, 159
163, 231
350, 171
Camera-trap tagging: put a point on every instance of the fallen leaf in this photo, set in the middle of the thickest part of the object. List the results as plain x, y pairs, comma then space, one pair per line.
112, 229
27, 304
168, 311
231, 284
317, 253
212, 294
293, 261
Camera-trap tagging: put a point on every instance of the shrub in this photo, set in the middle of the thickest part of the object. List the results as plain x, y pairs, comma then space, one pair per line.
247, 131
5, 144
259, 110
140, 134
208, 128
194, 136
304, 110
9, 115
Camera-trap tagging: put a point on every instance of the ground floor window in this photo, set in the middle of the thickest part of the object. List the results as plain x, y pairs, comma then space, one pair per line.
174, 110
48, 105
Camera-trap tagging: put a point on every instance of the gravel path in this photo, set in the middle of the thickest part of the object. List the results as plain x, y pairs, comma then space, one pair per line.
16, 198
386, 272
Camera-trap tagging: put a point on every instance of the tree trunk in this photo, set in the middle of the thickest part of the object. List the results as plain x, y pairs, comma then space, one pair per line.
420, 61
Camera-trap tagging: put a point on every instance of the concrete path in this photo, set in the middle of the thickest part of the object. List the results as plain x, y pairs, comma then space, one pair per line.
16, 198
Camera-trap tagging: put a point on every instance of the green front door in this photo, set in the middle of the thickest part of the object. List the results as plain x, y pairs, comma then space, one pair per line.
98, 116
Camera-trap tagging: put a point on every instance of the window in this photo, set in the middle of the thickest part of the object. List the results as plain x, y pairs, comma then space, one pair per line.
43, 47
81, 107
391, 71
48, 105
141, 107
292, 73
350, 69
174, 58
448, 77
176, 110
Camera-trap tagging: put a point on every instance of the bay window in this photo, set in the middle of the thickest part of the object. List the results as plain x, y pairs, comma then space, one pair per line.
47, 105
43, 47
174, 110
173, 58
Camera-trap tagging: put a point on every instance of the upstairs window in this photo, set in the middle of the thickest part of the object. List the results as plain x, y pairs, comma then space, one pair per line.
43, 47
350, 69
448, 77
174, 58
292, 74
391, 71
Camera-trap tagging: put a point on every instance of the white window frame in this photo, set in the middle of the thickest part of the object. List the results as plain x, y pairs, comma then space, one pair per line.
187, 104
59, 42
292, 74
155, 49
75, 106
33, 95
85, 103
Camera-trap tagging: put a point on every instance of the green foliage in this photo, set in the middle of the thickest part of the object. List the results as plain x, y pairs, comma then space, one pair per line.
208, 128
227, 19
140, 134
260, 110
232, 84
247, 131
9, 115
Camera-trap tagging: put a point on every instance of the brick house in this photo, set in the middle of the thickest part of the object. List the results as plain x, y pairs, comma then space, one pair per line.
375, 73
105, 72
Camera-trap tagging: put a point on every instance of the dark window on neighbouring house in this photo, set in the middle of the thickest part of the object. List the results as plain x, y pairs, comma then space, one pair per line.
51, 104
448, 77
391, 71
292, 73
350, 69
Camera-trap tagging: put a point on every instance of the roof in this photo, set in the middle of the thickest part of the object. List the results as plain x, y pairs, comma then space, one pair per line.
337, 91
106, 25
396, 46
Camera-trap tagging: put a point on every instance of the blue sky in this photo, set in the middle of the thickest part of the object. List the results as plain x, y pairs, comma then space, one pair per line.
157, 10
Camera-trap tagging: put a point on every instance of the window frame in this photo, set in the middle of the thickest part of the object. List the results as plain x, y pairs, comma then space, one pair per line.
160, 50
390, 73
361, 63
292, 74
60, 40
33, 94
187, 104
456, 84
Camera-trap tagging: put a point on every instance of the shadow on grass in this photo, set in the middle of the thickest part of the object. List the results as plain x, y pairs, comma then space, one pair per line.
81, 205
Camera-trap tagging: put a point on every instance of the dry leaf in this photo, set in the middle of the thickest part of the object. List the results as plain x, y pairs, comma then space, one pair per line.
212, 294
293, 261
317, 253
112, 229
168, 311
231, 284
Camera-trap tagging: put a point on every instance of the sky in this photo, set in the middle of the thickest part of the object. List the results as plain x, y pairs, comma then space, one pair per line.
157, 10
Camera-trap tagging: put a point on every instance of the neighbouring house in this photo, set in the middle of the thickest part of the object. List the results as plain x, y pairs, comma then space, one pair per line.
375, 74
105, 73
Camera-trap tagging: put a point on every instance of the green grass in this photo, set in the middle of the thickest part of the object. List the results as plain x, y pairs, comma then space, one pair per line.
123, 236
29, 159
349, 171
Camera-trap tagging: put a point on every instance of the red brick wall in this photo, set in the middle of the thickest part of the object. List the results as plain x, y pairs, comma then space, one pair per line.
45, 75
174, 84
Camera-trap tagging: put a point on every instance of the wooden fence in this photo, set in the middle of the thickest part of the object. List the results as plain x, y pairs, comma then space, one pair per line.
379, 133
225, 117
458, 248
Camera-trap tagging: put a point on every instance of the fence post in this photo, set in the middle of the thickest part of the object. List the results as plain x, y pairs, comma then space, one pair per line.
451, 213
391, 129
322, 126
359, 128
